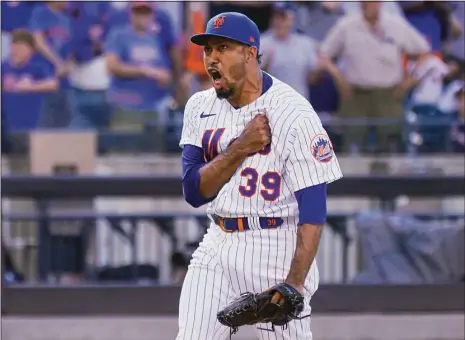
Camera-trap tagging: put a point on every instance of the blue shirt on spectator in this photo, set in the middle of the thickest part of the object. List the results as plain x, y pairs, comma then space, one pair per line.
88, 22
57, 30
162, 25
16, 14
22, 110
138, 49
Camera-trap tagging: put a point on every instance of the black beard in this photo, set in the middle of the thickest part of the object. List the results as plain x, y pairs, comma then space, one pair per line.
237, 73
225, 93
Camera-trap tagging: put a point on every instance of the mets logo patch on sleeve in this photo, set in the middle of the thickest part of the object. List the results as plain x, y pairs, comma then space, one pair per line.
322, 149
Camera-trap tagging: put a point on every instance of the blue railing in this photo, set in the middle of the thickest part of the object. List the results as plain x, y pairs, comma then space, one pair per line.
46, 222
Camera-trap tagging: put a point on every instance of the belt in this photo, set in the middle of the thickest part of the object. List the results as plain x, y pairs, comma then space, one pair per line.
232, 224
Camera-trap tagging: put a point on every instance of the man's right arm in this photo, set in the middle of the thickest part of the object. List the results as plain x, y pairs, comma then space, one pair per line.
202, 181
219, 171
37, 26
118, 69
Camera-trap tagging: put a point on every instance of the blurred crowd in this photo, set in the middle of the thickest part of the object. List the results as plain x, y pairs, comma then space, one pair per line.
383, 76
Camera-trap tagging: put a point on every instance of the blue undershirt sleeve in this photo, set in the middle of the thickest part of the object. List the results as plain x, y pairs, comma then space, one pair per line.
192, 161
312, 204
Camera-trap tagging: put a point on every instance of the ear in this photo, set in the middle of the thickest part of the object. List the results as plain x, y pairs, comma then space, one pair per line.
252, 53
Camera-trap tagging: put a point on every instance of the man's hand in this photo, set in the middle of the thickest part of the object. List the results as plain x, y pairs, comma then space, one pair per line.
161, 75
24, 85
256, 135
62, 69
279, 299
325, 63
344, 88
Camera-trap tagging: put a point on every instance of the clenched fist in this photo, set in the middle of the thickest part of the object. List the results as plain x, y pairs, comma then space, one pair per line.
256, 135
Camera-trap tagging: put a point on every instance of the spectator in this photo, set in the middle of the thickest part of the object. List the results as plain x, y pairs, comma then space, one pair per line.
24, 81
448, 102
15, 15
89, 77
458, 129
428, 76
162, 26
140, 87
287, 55
52, 32
372, 46
315, 18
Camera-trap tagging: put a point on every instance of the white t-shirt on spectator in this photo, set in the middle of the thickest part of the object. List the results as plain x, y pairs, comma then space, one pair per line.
291, 59
91, 75
430, 73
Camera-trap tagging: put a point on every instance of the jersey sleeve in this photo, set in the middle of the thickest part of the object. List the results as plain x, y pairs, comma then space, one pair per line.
190, 126
311, 159
38, 20
114, 42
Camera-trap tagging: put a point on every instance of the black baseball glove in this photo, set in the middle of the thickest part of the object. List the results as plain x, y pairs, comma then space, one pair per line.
250, 309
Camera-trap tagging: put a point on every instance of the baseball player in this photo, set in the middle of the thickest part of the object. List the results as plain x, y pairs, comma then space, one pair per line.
255, 151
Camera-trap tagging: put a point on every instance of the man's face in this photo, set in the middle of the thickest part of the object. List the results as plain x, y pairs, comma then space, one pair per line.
142, 17
370, 9
20, 52
283, 22
225, 63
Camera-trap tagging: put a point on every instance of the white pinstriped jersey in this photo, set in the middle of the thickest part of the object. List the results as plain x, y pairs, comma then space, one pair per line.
300, 154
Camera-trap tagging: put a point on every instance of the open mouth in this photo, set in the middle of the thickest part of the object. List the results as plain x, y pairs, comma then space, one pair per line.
216, 76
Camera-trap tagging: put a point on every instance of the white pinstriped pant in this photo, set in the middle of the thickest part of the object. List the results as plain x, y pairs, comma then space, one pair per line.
228, 264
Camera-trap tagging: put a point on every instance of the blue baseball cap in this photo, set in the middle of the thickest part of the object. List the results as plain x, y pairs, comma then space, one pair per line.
230, 25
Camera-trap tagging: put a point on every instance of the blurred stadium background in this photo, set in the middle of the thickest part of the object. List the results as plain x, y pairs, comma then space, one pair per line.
95, 234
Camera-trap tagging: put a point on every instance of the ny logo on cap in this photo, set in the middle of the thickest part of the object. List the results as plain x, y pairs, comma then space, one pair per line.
219, 21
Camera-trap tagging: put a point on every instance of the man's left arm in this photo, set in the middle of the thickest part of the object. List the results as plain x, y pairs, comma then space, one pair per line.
44, 81
311, 165
311, 221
